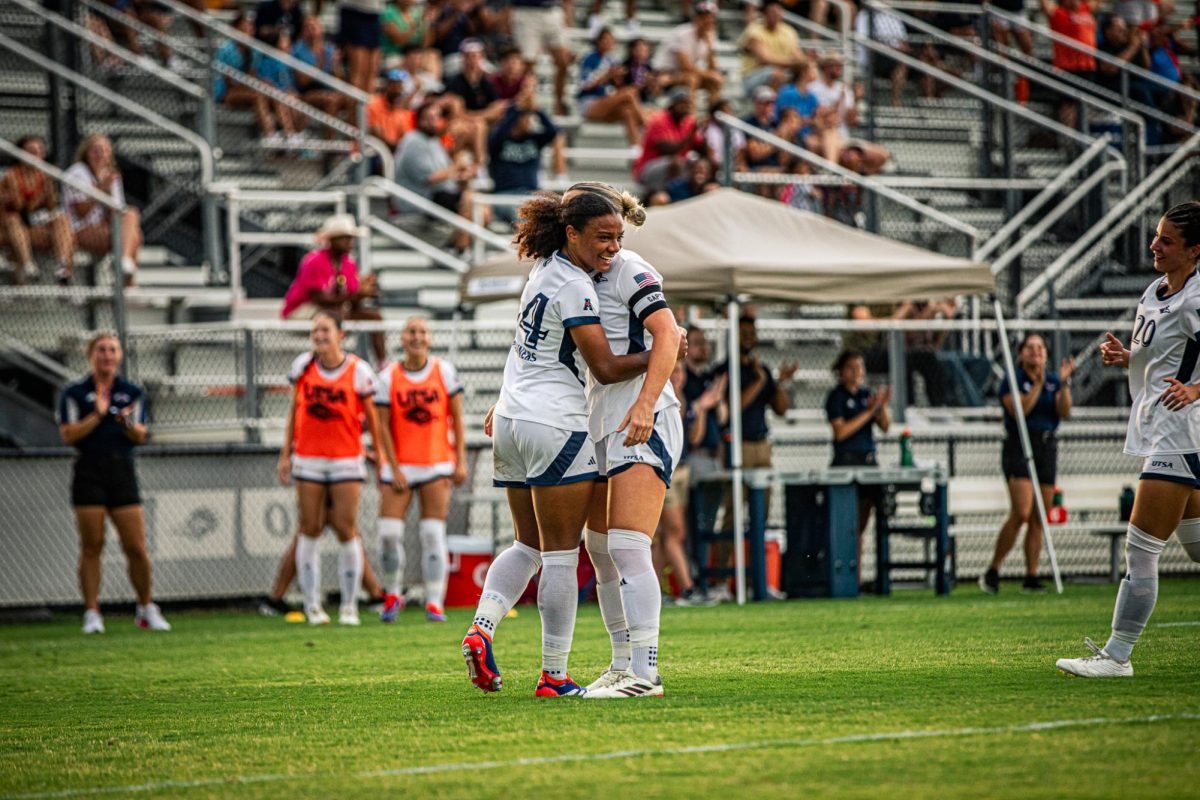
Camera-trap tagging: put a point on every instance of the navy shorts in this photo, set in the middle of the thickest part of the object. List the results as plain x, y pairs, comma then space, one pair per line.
109, 482
359, 29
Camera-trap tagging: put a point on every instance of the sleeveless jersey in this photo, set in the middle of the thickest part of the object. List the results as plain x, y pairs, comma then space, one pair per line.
1165, 344
629, 292
419, 405
543, 377
329, 406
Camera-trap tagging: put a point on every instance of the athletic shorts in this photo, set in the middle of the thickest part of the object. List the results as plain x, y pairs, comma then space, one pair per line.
418, 474
328, 470
1176, 468
109, 482
1045, 457
359, 29
661, 451
536, 29
528, 453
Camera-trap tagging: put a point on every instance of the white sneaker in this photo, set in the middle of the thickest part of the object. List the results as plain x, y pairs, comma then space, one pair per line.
348, 616
1098, 665
128, 267
606, 679
149, 617
316, 616
92, 621
627, 684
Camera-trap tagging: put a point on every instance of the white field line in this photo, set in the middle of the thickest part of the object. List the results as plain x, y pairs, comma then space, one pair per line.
728, 747
1192, 624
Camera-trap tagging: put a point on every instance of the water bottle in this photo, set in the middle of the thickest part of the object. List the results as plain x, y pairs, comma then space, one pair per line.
906, 453
1126, 503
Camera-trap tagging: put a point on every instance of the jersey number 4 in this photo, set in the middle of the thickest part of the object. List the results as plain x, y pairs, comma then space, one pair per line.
1144, 330
531, 321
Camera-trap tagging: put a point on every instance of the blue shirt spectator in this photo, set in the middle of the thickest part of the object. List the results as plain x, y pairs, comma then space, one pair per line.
593, 65
274, 72
301, 51
229, 54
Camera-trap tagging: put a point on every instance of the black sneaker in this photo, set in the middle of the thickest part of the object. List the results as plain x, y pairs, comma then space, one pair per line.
694, 597
989, 581
270, 607
1033, 585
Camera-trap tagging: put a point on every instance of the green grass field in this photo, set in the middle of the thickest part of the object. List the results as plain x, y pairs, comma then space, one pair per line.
911, 696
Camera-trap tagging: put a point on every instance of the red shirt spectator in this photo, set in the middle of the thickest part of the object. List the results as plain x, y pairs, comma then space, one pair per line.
671, 133
318, 274
1073, 19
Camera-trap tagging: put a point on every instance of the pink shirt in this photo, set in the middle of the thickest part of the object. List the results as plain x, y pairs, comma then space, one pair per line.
317, 274
662, 129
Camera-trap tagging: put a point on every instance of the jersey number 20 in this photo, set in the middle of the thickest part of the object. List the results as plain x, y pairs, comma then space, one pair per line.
1144, 327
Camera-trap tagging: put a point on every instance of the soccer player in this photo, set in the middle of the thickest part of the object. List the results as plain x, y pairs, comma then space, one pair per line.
419, 400
638, 433
323, 452
1164, 429
543, 456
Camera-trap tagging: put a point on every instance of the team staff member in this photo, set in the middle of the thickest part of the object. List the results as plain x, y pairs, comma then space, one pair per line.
323, 452
103, 417
1045, 399
1164, 428
419, 401
853, 411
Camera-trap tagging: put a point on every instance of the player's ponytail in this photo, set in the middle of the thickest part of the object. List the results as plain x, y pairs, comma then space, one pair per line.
544, 220
630, 207
1186, 217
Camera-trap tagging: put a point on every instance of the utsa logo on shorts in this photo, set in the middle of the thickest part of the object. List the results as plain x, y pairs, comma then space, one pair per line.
319, 399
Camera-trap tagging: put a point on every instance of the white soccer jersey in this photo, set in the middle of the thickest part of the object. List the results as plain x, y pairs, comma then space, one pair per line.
629, 292
543, 377
1165, 344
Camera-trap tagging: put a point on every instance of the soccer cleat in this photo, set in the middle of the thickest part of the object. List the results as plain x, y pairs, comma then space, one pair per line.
549, 687
349, 616
1098, 665
316, 616
481, 663
1033, 585
989, 581
273, 607
149, 617
393, 604
606, 679
627, 684
434, 613
92, 621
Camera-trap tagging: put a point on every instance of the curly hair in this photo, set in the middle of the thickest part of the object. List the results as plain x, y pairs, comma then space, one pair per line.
630, 207
1186, 217
545, 217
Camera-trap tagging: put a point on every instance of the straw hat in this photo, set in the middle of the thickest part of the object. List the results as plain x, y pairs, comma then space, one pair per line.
340, 225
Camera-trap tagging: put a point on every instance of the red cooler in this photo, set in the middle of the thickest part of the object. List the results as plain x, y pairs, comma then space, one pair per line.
470, 557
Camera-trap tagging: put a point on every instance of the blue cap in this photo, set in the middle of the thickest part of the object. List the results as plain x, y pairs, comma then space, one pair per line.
397, 75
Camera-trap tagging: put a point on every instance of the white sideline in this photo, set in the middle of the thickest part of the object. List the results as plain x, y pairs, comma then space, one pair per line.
1178, 624
767, 744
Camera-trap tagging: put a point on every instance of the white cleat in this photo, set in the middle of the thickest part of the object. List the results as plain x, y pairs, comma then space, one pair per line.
149, 617
626, 684
92, 621
316, 616
606, 679
1098, 665
348, 616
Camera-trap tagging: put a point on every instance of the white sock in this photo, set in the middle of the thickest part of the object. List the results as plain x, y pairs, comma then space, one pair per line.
308, 570
558, 598
608, 592
1138, 592
641, 596
435, 559
391, 547
1188, 534
350, 570
506, 580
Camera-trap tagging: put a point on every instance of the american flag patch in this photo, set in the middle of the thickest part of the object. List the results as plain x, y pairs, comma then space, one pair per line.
644, 279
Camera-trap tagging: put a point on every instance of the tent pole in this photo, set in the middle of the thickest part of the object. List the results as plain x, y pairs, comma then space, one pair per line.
1023, 430
735, 449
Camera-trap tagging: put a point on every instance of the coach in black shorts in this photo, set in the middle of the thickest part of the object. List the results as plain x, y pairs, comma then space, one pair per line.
104, 416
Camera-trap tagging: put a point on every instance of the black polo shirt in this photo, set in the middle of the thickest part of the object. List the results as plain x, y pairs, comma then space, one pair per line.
108, 439
841, 404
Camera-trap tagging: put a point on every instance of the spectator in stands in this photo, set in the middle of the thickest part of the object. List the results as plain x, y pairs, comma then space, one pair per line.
817, 10
279, 76
639, 73
457, 21
687, 57
360, 34
389, 115
1165, 51
920, 346
92, 223
763, 156
697, 181
424, 166
112, 30
542, 25
515, 147
596, 18
1128, 45
1045, 400
804, 197
770, 49
319, 53
1141, 13
887, 29
233, 94
1001, 28
32, 220
1074, 20
474, 85
103, 417
604, 94
669, 136
327, 280
853, 411
714, 136
279, 14
512, 75
405, 28
836, 99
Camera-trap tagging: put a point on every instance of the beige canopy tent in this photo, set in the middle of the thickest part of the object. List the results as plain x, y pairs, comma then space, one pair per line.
730, 245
